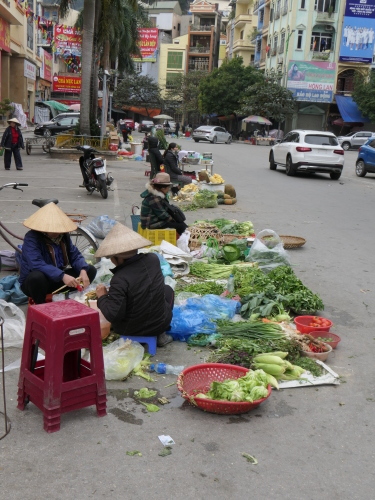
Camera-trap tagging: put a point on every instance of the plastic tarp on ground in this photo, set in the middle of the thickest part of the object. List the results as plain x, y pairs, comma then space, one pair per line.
349, 110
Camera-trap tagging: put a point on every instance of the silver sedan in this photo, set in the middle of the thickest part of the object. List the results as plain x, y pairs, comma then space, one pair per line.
212, 134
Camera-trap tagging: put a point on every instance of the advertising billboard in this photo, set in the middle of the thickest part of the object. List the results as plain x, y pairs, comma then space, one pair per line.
148, 44
45, 72
68, 41
67, 84
4, 35
311, 81
358, 31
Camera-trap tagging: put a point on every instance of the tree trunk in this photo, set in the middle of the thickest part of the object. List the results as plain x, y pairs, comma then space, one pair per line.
95, 65
87, 52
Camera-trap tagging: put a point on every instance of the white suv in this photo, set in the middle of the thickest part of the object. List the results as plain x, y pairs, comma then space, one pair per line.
308, 151
355, 140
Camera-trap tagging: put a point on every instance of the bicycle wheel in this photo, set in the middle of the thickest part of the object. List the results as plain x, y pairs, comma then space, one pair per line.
84, 241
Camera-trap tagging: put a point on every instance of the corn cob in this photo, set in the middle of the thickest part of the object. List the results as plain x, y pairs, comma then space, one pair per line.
271, 369
268, 359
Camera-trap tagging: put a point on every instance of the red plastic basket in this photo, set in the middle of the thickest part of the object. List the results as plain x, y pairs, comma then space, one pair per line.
335, 338
302, 324
198, 378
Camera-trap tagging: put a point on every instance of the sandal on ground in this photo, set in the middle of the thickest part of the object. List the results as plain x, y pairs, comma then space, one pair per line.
164, 339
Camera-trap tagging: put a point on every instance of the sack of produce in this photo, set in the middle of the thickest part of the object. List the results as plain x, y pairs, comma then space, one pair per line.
268, 251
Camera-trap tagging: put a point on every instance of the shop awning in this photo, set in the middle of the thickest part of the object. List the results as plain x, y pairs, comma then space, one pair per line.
349, 110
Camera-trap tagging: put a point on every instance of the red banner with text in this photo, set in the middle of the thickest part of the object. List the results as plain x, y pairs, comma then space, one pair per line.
67, 84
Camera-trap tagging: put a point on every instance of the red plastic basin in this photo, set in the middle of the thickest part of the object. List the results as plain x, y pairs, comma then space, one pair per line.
302, 324
335, 338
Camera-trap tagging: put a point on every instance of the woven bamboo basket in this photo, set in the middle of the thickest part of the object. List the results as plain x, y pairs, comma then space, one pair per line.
228, 238
201, 232
292, 241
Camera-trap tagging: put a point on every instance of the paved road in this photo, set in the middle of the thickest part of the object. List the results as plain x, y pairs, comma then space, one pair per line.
311, 443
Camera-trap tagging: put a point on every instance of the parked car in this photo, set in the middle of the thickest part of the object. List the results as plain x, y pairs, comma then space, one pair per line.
354, 140
145, 126
308, 151
366, 159
212, 134
60, 123
129, 122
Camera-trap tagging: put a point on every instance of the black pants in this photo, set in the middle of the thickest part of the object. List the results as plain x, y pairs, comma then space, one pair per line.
169, 295
178, 226
37, 285
17, 157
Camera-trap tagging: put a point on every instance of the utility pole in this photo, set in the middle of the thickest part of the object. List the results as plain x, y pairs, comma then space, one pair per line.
104, 107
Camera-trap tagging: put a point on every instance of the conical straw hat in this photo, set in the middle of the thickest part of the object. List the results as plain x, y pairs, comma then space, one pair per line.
50, 219
119, 240
14, 120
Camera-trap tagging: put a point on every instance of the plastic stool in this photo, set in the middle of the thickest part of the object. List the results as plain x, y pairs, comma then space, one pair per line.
62, 382
147, 173
48, 299
150, 341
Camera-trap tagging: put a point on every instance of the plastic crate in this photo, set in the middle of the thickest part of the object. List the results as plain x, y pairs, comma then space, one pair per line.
156, 236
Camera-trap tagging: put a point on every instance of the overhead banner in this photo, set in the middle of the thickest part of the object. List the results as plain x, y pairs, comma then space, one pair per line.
68, 41
311, 81
357, 43
148, 44
4, 35
67, 84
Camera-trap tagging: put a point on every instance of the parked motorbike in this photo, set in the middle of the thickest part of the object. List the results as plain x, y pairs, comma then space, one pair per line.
93, 169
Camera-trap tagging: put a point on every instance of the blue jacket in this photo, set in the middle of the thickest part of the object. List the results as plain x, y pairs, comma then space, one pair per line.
36, 257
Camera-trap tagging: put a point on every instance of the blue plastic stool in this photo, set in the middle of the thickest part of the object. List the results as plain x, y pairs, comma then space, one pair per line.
150, 341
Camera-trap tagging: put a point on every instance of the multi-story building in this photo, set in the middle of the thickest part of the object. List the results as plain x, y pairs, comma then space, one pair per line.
240, 31
203, 36
302, 42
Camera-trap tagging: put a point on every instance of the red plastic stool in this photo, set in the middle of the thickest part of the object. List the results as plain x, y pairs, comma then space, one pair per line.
150, 341
62, 382
147, 173
48, 299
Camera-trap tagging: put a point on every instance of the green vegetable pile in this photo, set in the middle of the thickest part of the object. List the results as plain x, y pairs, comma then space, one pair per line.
227, 226
205, 288
251, 387
214, 271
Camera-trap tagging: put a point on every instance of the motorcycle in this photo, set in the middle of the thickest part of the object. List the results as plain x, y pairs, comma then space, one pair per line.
93, 171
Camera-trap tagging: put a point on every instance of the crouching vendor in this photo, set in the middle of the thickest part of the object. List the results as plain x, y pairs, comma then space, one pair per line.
138, 303
49, 258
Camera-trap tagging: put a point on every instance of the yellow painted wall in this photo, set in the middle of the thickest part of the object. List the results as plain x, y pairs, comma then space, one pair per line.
163, 58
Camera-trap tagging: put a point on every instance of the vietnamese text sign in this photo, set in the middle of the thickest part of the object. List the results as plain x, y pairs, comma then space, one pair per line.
67, 84
4, 35
47, 63
68, 40
29, 70
311, 81
148, 44
358, 35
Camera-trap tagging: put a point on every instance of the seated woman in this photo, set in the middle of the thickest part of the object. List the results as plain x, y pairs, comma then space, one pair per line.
156, 158
138, 303
155, 204
171, 165
49, 259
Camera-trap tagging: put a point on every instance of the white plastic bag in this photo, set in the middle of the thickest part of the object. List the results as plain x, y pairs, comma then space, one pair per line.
183, 241
103, 274
268, 251
121, 357
14, 324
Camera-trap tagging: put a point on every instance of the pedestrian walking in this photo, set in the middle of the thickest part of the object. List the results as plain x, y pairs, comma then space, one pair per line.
177, 128
12, 142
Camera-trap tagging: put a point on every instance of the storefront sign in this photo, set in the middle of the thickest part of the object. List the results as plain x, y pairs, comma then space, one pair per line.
358, 31
47, 60
148, 44
29, 70
68, 84
311, 81
4, 35
68, 40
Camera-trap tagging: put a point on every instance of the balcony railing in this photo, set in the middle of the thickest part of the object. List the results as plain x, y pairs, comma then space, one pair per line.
281, 49
43, 41
196, 27
199, 50
277, 14
242, 19
273, 51
198, 67
322, 56
244, 44
326, 17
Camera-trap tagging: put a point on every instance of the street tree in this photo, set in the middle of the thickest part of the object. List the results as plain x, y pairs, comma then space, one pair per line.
182, 96
364, 95
220, 90
267, 98
139, 91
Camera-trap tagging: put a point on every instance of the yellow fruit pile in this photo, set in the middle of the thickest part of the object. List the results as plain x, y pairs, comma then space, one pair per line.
189, 188
216, 179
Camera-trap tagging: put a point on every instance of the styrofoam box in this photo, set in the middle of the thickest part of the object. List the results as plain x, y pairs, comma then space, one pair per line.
212, 187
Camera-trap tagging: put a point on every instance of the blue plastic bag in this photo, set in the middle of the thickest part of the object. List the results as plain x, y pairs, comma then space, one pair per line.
10, 290
214, 307
188, 321
165, 266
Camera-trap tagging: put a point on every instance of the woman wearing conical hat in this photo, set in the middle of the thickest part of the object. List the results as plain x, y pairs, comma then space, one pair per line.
49, 258
12, 141
138, 302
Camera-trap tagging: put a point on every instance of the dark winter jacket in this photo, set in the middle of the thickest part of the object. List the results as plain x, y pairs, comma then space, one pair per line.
135, 304
6, 141
156, 158
171, 165
154, 208
36, 257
